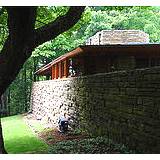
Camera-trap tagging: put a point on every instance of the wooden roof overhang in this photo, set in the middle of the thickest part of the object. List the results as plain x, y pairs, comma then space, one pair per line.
137, 50
47, 68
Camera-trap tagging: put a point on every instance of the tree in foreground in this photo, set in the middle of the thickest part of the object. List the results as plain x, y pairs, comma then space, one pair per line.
23, 38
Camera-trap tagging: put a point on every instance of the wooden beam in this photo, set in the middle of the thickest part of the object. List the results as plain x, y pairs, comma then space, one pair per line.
53, 72
56, 71
66, 68
60, 69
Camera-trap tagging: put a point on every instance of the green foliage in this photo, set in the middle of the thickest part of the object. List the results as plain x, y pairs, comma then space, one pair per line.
19, 138
49, 14
20, 90
140, 18
77, 131
98, 145
3, 26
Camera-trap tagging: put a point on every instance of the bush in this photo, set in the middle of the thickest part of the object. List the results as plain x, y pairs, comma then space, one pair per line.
99, 145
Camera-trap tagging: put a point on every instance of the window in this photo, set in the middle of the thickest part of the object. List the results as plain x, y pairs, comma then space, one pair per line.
72, 72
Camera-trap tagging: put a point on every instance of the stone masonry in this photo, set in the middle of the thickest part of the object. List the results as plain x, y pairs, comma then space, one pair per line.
123, 105
118, 37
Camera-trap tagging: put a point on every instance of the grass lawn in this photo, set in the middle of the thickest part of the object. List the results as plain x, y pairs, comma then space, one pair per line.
19, 138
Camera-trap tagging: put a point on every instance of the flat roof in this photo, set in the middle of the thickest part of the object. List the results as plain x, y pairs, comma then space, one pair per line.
151, 49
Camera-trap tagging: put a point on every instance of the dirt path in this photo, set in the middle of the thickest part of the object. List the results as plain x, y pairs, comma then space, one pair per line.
54, 136
49, 134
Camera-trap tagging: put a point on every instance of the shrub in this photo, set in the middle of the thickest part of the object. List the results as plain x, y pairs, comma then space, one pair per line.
98, 145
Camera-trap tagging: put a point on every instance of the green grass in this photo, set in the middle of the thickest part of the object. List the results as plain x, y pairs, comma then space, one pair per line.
19, 138
38, 126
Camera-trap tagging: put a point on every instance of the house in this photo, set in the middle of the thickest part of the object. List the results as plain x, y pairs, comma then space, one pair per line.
125, 105
92, 59
125, 52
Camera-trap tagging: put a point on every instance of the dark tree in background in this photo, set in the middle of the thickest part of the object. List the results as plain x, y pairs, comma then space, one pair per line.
23, 38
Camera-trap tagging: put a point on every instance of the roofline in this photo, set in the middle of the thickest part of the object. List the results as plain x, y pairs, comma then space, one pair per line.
121, 45
82, 48
61, 58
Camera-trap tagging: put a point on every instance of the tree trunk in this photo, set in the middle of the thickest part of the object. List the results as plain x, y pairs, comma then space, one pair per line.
2, 148
17, 48
23, 38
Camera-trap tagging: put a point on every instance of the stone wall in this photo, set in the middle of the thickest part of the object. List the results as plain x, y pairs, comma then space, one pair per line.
118, 37
124, 105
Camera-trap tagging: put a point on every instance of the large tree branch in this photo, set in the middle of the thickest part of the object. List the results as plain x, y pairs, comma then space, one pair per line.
23, 38
60, 25
21, 24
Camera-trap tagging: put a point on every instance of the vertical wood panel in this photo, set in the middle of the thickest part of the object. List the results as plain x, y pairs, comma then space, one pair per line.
60, 69
65, 68
56, 71
53, 72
